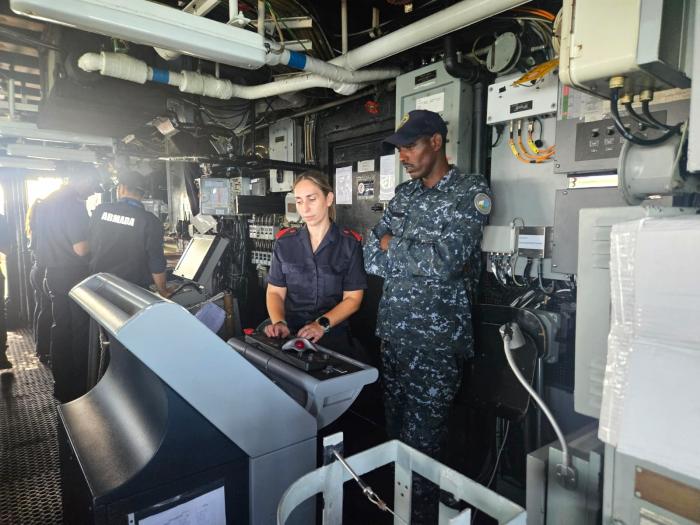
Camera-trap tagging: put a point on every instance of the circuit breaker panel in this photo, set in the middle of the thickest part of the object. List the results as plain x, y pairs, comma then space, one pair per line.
432, 88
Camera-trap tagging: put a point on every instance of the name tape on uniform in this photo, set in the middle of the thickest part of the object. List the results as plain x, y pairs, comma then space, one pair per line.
117, 219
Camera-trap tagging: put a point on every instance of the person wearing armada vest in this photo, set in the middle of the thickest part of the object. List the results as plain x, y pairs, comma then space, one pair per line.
126, 240
317, 277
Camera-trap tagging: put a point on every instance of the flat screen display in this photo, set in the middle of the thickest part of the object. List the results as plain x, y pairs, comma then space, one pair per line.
194, 256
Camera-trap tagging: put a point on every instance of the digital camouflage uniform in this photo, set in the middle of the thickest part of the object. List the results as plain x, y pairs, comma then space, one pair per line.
424, 315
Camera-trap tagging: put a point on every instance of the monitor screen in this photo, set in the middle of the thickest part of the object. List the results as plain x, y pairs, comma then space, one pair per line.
194, 256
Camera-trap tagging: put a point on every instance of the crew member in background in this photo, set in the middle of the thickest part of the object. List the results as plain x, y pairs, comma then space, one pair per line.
422, 248
317, 278
42, 317
61, 237
5, 363
126, 240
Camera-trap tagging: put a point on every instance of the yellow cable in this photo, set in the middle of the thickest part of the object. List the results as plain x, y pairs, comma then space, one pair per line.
538, 158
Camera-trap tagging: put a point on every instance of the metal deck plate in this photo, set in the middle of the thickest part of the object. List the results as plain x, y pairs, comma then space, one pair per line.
30, 487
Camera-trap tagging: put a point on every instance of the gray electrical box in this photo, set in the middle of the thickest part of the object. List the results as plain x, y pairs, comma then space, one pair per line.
432, 88
637, 491
589, 142
285, 144
217, 196
548, 502
593, 297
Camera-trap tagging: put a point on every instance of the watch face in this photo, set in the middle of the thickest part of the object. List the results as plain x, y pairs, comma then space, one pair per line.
324, 322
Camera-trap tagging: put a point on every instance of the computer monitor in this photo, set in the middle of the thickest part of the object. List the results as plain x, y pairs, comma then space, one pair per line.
193, 259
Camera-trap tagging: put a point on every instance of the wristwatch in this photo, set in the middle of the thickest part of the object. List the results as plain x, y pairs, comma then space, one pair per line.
325, 323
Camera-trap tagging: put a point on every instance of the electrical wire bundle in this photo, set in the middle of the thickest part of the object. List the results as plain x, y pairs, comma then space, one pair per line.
232, 272
646, 119
535, 154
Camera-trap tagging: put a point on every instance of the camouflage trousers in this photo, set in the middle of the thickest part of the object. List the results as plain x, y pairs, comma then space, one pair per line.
420, 382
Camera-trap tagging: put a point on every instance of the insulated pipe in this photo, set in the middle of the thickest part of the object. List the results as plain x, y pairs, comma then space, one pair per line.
444, 21
327, 70
122, 66
447, 20
344, 24
467, 72
119, 65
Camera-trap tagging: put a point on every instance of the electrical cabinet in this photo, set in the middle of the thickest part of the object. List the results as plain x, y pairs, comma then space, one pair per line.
286, 145
432, 88
646, 41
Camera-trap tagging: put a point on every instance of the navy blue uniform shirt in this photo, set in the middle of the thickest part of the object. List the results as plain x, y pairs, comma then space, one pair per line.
315, 282
61, 221
126, 240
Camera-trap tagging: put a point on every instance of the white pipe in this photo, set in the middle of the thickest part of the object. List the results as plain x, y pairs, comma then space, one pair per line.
125, 67
11, 98
327, 70
232, 9
438, 24
344, 24
447, 20
261, 17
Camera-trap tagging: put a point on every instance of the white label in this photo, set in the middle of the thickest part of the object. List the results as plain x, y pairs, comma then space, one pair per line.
343, 185
209, 508
387, 177
434, 102
531, 242
365, 165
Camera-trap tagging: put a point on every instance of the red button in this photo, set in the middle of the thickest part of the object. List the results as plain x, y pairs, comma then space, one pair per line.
249, 331
299, 345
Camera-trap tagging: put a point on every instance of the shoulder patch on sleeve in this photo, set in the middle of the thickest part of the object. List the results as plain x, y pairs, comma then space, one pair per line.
285, 231
482, 203
349, 232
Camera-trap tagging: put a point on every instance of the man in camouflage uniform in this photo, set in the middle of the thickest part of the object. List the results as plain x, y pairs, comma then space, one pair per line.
423, 247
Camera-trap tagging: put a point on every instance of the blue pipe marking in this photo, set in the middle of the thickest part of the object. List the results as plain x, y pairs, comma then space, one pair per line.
297, 60
162, 76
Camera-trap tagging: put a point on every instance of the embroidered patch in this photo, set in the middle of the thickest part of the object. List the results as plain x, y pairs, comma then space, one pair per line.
482, 202
403, 121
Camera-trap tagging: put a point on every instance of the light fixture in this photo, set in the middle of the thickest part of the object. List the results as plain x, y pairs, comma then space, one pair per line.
153, 24
51, 153
29, 164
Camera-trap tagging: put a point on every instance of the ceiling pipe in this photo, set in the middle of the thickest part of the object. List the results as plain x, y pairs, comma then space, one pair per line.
122, 66
444, 21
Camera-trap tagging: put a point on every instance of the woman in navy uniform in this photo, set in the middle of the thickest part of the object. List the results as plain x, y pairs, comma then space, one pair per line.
317, 277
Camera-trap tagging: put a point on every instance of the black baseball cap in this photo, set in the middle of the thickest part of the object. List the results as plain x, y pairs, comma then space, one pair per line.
133, 180
418, 123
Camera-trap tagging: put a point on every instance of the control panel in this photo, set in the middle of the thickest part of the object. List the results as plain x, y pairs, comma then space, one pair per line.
600, 140
304, 355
